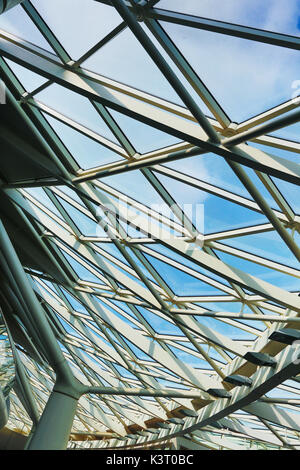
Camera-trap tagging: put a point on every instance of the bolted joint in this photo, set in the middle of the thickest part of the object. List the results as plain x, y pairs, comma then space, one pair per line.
8, 4
69, 385
139, 10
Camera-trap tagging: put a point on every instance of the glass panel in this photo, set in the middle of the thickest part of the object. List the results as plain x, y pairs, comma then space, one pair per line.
269, 275
272, 15
244, 76
86, 225
292, 156
220, 215
112, 250
211, 169
185, 82
143, 137
141, 190
123, 59
237, 307
184, 261
17, 22
189, 359
262, 189
289, 132
224, 329
29, 80
162, 326
181, 283
87, 152
290, 192
267, 245
76, 107
71, 193
82, 272
78, 26
74, 302
138, 352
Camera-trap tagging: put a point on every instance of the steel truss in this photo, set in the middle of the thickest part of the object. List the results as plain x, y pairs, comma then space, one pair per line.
92, 352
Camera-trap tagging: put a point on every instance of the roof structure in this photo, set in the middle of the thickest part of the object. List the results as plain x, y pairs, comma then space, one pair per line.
149, 224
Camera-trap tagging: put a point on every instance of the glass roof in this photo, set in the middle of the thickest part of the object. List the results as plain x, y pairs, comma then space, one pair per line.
161, 205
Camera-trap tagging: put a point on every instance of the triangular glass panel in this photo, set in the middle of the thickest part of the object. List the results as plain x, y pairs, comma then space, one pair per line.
271, 276
40, 195
262, 188
71, 193
123, 59
86, 225
76, 107
118, 311
28, 79
270, 16
291, 132
17, 22
224, 215
143, 137
219, 326
111, 249
76, 304
211, 169
141, 190
266, 245
173, 256
244, 76
81, 271
160, 325
290, 192
278, 152
70, 17
219, 214
189, 359
181, 283
137, 351
87, 152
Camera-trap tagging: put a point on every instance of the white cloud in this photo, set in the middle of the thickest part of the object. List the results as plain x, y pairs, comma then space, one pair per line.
245, 76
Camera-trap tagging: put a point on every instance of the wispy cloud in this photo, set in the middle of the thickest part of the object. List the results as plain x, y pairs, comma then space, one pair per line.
245, 76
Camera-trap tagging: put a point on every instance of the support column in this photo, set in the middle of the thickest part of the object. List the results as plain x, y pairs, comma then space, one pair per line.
3, 410
54, 427
7, 4
30, 436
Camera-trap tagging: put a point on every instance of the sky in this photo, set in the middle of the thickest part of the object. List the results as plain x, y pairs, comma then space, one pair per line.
246, 78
